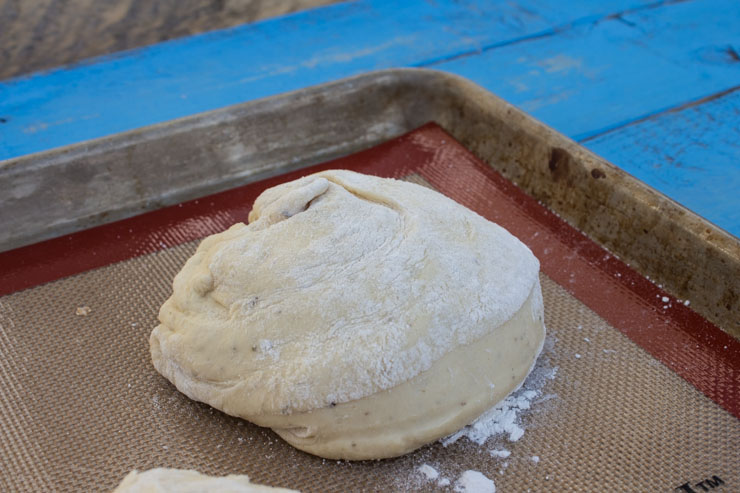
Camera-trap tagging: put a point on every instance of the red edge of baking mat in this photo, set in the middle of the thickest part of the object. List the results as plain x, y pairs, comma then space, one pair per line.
694, 348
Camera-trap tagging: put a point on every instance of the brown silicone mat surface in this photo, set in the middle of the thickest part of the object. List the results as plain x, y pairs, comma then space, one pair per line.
81, 405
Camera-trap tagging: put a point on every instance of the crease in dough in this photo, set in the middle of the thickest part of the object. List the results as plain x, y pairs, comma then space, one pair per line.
343, 289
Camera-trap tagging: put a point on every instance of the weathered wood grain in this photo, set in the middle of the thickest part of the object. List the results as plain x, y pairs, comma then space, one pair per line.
43, 34
191, 75
691, 154
588, 70
599, 76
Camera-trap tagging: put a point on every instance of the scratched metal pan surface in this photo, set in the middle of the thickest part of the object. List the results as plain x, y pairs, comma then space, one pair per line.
636, 390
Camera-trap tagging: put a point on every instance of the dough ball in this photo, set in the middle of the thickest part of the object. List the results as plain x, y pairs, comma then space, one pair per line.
184, 481
358, 317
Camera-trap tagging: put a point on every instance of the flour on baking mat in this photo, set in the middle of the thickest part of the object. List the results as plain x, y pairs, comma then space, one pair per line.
474, 482
504, 418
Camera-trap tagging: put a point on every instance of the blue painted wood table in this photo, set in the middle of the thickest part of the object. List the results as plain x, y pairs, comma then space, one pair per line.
653, 86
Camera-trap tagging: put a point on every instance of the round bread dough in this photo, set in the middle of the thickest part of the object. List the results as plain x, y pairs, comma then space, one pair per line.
358, 317
163, 480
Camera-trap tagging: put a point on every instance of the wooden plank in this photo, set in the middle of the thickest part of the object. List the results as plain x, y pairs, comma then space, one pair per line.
212, 70
692, 155
600, 76
596, 78
42, 34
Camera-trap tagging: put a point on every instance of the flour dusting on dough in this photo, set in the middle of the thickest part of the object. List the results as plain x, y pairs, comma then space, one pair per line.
340, 308
346, 308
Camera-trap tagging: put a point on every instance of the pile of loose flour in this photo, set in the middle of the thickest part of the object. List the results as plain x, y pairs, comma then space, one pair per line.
503, 420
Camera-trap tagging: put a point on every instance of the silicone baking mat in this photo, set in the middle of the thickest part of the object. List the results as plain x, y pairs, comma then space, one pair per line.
633, 392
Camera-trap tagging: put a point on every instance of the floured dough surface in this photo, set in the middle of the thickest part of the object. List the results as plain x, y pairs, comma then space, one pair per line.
343, 292
163, 480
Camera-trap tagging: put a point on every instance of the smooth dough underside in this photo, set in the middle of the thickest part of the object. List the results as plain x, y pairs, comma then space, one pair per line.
359, 317
163, 480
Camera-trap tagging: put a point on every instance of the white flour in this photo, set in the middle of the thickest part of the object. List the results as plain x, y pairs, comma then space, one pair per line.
428, 471
474, 482
504, 417
504, 420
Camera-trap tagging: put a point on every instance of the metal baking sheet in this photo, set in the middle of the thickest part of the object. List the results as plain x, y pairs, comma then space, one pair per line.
635, 390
